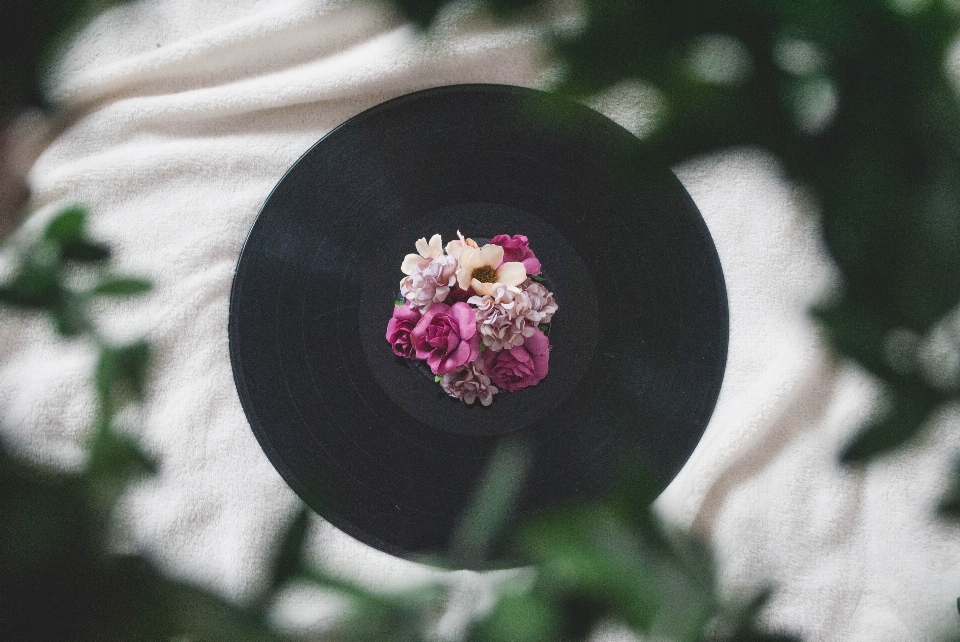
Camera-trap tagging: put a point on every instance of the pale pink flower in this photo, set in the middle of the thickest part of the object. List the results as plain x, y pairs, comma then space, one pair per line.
469, 384
502, 317
429, 282
542, 305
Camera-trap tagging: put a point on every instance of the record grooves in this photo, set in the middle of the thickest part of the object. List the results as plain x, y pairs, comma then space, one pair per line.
638, 347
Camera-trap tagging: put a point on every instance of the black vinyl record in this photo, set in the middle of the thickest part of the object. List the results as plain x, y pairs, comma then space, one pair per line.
638, 345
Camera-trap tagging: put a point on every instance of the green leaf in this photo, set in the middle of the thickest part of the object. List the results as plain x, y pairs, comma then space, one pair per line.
398, 303
543, 327
121, 286
115, 455
36, 285
122, 373
287, 561
910, 407
81, 251
491, 507
949, 507
421, 12
520, 617
483, 346
437, 379
537, 277
67, 226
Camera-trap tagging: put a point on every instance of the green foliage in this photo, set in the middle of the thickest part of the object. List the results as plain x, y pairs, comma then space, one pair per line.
59, 580
31, 33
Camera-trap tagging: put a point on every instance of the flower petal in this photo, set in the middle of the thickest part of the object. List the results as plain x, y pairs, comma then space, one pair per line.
410, 263
482, 288
463, 278
469, 259
423, 248
492, 255
512, 273
455, 248
436, 246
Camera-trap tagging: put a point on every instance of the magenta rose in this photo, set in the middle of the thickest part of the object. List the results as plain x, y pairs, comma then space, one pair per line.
519, 367
446, 336
399, 327
517, 248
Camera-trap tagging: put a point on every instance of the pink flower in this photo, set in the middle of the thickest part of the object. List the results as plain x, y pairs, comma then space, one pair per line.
430, 281
517, 249
502, 317
521, 366
399, 327
469, 384
446, 336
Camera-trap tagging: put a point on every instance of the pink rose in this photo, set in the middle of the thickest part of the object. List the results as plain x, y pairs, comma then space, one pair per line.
519, 367
399, 328
517, 249
446, 336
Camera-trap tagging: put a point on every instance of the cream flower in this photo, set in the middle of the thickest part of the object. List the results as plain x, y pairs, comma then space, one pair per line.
480, 268
455, 248
427, 252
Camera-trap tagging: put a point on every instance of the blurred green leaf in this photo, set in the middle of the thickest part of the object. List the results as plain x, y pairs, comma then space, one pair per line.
118, 456
82, 251
288, 560
36, 285
66, 226
519, 617
910, 407
421, 12
122, 373
491, 507
949, 507
119, 286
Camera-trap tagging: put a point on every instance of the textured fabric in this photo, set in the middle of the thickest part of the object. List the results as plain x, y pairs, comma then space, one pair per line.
191, 113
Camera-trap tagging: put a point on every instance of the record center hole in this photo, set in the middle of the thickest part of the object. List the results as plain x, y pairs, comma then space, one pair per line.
485, 274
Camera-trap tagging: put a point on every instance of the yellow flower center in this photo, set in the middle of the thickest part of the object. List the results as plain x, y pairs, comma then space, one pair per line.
485, 274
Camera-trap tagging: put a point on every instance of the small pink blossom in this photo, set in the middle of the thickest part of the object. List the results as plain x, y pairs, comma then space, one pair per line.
469, 384
517, 248
446, 337
502, 317
542, 305
429, 282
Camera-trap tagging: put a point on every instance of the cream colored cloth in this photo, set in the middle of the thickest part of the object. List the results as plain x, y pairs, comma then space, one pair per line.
192, 112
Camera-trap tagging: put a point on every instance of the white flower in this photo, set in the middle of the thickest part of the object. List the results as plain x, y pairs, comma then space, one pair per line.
427, 252
430, 281
480, 269
454, 248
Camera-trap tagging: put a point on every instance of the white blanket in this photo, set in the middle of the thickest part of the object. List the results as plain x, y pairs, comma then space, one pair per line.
192, 112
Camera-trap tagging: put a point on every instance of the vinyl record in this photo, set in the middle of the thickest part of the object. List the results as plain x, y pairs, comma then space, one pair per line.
638, 346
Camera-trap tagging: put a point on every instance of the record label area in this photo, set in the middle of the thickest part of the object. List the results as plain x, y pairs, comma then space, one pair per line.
637, 347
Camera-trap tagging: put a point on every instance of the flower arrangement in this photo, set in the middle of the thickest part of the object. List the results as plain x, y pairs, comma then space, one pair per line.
476, 315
